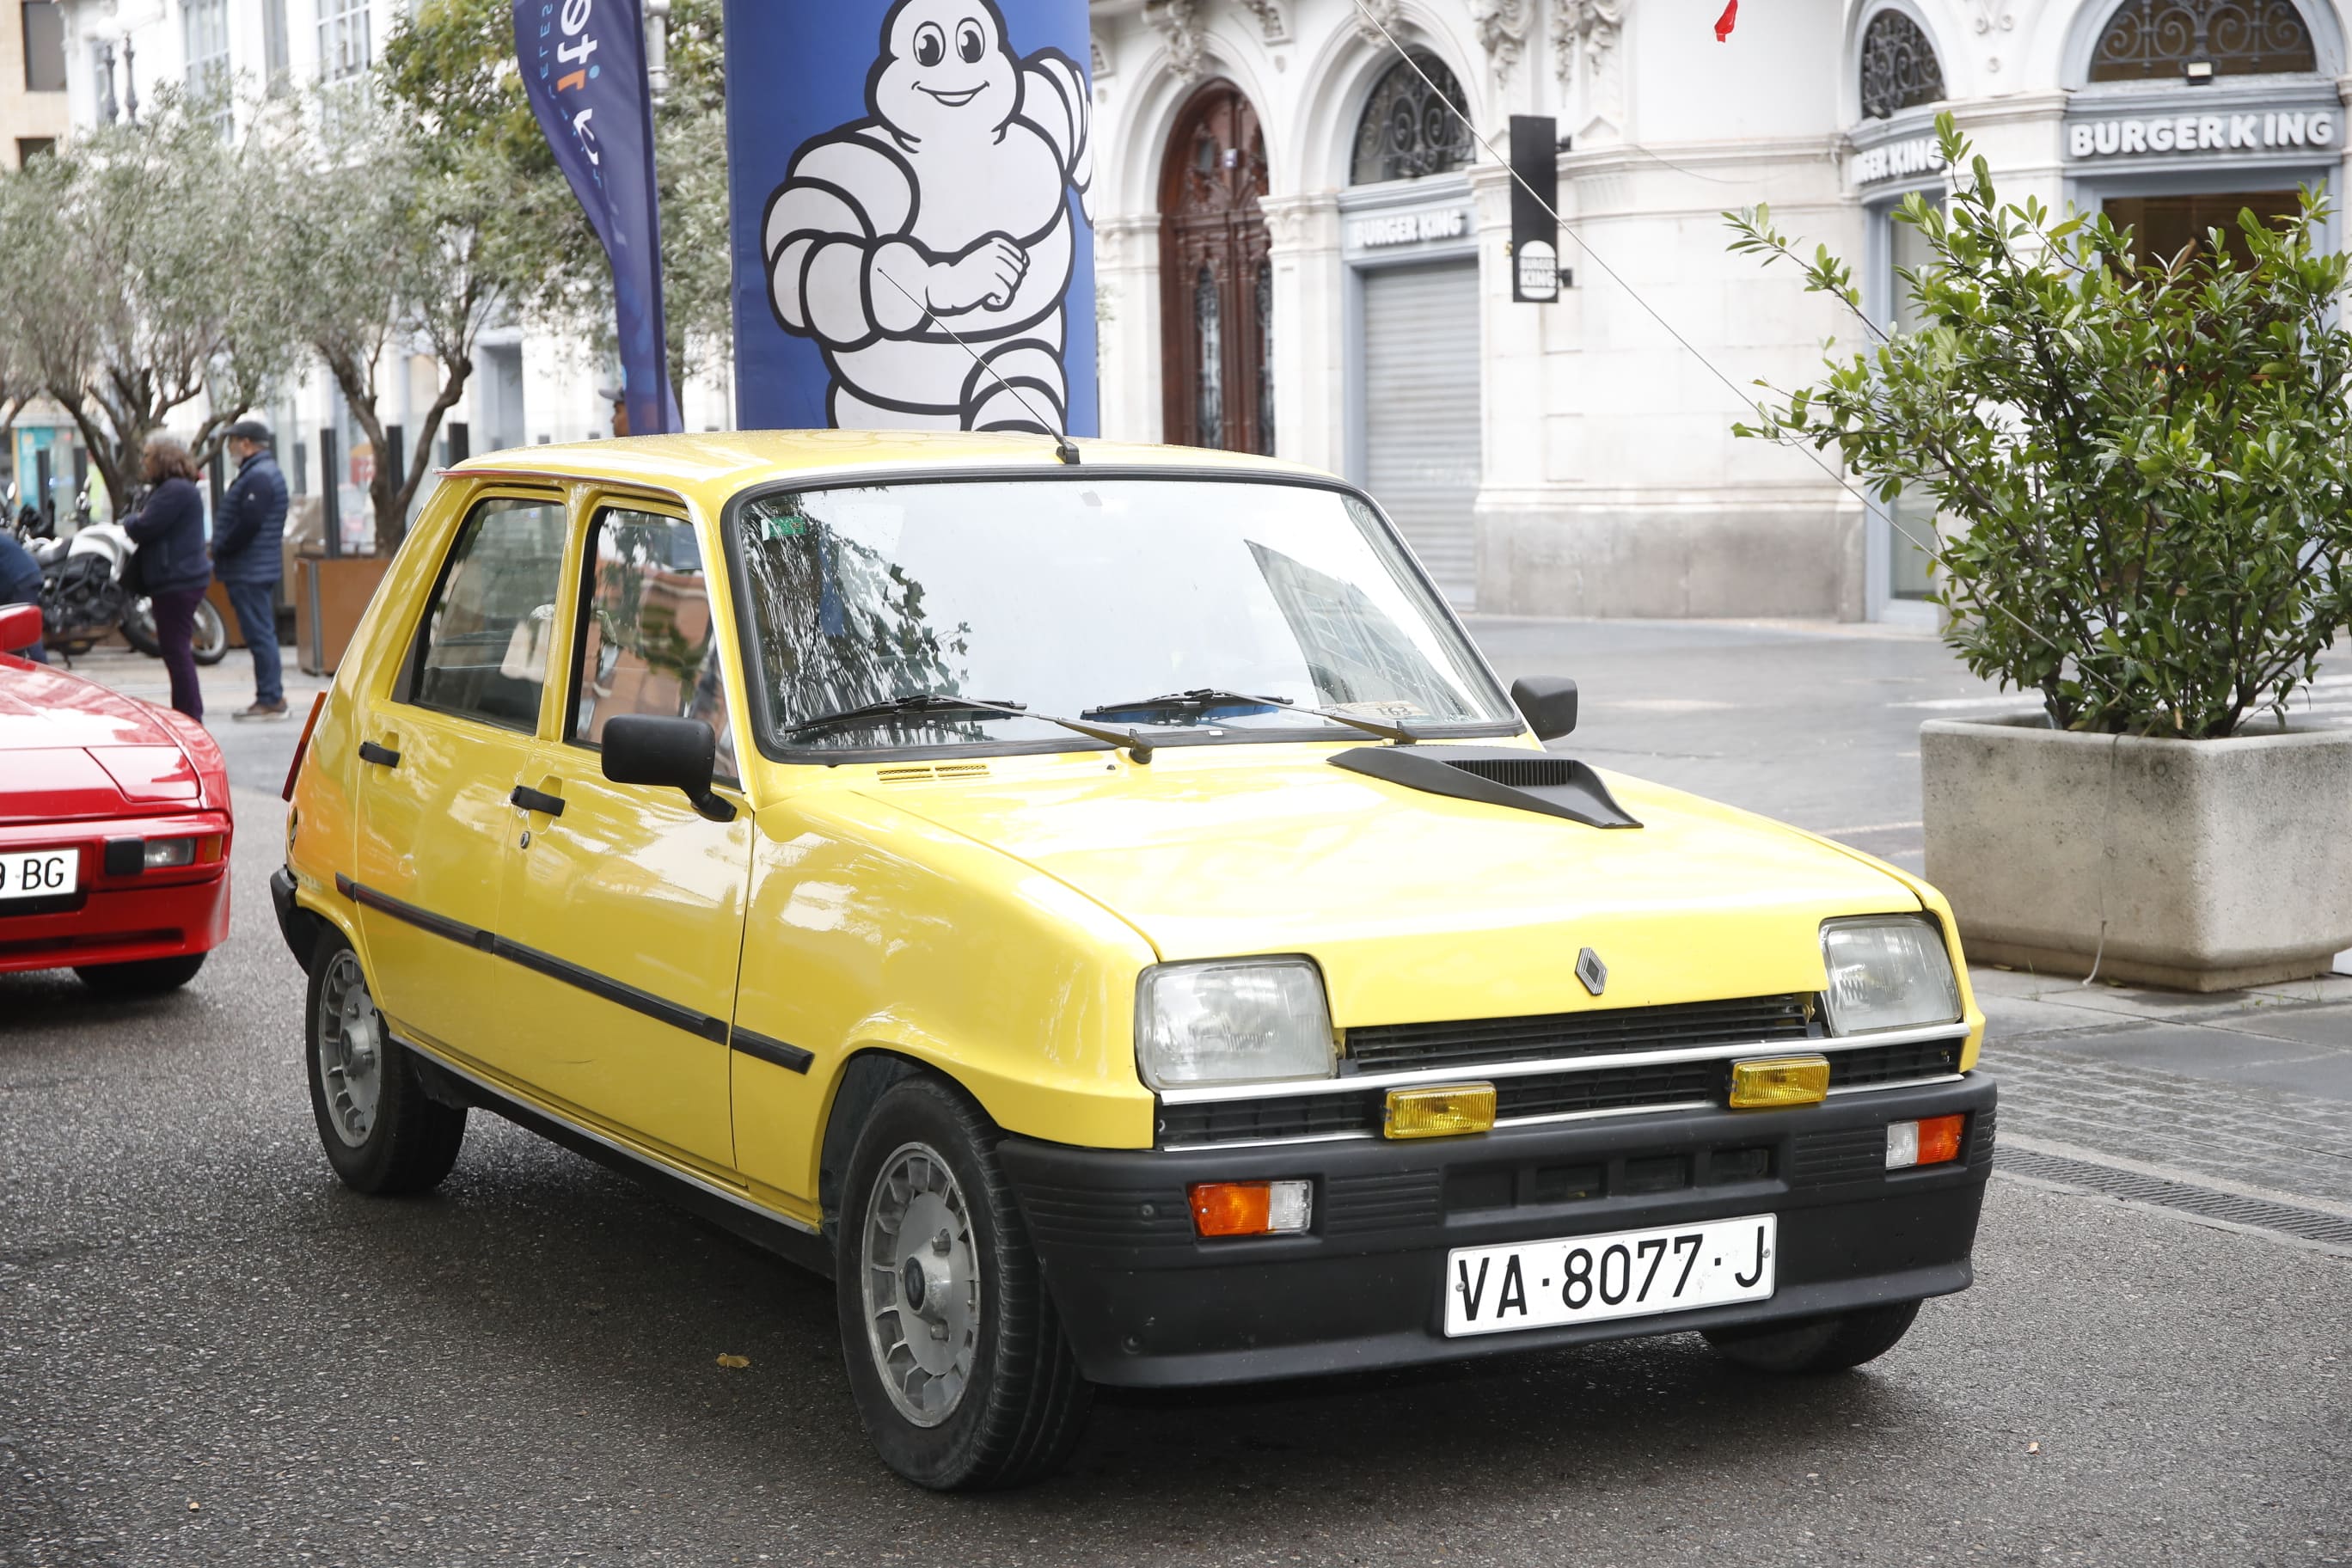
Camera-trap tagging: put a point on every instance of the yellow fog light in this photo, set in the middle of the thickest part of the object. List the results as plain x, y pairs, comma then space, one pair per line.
1440, 1112
1779, 1081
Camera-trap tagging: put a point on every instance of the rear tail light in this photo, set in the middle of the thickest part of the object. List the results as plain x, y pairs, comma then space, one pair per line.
1252, 1208
302, 746
1933, 1141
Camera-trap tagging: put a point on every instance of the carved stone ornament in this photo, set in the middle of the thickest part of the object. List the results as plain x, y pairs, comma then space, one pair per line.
1502, 32
1371, 16
1588, 31
1269, 19
1100, 58
1178, 22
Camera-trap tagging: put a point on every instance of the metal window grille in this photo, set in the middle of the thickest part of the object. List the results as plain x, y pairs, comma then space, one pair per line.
2145, 38
1899, 68
1407, 130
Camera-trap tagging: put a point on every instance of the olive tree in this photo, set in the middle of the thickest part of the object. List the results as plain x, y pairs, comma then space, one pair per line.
383, 252
2142, 460
129, 294
451, 69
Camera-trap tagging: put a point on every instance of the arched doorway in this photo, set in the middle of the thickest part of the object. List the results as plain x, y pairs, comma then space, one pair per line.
1216, 283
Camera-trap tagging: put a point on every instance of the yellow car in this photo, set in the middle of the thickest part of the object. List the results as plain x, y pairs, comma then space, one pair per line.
1108, 916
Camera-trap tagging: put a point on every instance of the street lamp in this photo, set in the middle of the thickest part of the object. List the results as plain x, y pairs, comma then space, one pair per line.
658, 49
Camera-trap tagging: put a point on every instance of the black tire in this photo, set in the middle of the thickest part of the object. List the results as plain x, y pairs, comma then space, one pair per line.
211, 633
142, 977
1818, 1344
1022, 1403
139, 628
403, 1139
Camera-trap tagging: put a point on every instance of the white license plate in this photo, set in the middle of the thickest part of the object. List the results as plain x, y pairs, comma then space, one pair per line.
41, 874
1624, 1274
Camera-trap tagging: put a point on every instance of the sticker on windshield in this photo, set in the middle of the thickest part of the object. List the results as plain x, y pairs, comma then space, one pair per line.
1385, 708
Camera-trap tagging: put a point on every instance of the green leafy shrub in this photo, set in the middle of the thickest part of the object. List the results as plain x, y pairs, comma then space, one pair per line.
2142, 463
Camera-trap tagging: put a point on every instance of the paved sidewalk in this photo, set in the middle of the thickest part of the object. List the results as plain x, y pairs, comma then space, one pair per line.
2251, 1088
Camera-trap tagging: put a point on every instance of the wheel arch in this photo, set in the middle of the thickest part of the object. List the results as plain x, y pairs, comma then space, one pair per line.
863, 1080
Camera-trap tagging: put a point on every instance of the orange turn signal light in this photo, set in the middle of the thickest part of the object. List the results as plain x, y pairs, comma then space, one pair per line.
1932, 1140
1251, 1208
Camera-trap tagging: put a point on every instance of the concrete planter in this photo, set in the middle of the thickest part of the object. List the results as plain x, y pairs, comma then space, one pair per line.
2212, 864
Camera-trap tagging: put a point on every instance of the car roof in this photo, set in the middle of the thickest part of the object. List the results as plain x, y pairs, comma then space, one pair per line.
713, 466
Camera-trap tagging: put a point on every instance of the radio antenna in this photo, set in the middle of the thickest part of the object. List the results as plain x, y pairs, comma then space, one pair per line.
1064, 447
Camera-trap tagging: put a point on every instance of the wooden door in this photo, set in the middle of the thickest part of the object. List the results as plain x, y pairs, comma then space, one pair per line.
1216, 283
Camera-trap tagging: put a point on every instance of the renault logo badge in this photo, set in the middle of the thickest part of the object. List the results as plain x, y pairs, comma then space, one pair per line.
1592, 970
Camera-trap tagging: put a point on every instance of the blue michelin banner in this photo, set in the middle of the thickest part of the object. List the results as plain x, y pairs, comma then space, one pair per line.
914, 244
584, 66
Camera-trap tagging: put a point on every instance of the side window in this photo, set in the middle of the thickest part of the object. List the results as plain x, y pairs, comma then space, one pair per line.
647, 643
483, 650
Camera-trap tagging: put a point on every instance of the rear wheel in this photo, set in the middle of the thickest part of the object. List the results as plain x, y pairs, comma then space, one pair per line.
211, 633
383, 1134
1818, 1344
955, 1353
145, 977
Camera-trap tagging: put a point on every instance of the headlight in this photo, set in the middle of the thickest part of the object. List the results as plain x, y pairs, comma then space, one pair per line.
1236, 1020
1892, 971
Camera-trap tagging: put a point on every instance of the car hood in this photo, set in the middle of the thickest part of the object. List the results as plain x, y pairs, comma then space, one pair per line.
71, 749
1420, 907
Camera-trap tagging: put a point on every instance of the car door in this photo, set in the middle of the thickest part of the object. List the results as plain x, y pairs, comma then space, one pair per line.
630, 901
444, 744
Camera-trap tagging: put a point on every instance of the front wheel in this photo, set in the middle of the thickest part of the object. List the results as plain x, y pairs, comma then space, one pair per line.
211, 633
1818, 1344
383, 1134
956, 1355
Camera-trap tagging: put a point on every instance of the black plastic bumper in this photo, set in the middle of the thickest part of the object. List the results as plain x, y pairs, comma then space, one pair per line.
297, 925
1147, 1303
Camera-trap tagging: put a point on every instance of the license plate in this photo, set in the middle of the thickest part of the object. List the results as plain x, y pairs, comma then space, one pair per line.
42, 874
1624, 1274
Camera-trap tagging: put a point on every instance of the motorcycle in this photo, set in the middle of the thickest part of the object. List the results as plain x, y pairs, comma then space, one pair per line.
84, 597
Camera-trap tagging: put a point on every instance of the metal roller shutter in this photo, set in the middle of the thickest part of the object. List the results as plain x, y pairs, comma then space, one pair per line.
1420, 413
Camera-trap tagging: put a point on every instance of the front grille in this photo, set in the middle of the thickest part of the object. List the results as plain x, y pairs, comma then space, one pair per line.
1361, 1111
1389, 1047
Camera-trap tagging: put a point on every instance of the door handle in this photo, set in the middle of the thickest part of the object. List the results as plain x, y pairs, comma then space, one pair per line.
536, 800
381, 756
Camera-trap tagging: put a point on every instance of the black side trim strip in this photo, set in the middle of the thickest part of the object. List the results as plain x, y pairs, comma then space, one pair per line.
367, 898
381, 756
610, 990
791, 1058
614, 991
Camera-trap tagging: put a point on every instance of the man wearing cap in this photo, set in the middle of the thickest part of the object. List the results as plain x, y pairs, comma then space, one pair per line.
620, 401
247, 539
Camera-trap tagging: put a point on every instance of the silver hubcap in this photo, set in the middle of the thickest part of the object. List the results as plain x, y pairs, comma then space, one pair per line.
922, 1279
351, 1049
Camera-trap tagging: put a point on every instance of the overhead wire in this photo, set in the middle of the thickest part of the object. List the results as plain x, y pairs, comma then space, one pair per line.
1585, 246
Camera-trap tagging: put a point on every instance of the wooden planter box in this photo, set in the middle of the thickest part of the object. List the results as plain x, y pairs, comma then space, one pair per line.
330, 597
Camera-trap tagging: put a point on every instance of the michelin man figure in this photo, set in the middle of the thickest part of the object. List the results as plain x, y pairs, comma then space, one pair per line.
945, 211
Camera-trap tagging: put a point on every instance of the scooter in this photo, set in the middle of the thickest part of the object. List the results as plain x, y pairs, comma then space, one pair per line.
84, 597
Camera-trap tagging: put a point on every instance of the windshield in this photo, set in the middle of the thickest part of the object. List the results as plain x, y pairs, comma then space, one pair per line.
1178, 604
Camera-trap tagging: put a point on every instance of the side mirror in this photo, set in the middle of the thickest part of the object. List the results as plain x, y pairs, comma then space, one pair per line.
673, 753
1547, 702
20, 626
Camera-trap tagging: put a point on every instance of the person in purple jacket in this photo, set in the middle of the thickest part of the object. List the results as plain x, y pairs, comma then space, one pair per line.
172, 567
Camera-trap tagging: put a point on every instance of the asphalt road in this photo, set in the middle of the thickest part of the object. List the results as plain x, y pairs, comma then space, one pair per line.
210, 1352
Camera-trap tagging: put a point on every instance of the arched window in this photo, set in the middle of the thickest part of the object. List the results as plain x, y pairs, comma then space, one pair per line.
1899, 68
2145, 38
1409, 131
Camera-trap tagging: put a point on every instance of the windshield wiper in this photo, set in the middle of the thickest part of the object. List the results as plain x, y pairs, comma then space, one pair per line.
1204, 697
895, 706
1136, 746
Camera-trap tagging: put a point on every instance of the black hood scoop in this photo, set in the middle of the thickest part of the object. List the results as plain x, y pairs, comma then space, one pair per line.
1498, 776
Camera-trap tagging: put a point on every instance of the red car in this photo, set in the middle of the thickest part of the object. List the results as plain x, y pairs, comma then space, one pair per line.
114, 829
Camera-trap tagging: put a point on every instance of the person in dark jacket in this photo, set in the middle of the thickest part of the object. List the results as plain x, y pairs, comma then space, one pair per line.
172, 567
248, 538
20, 583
